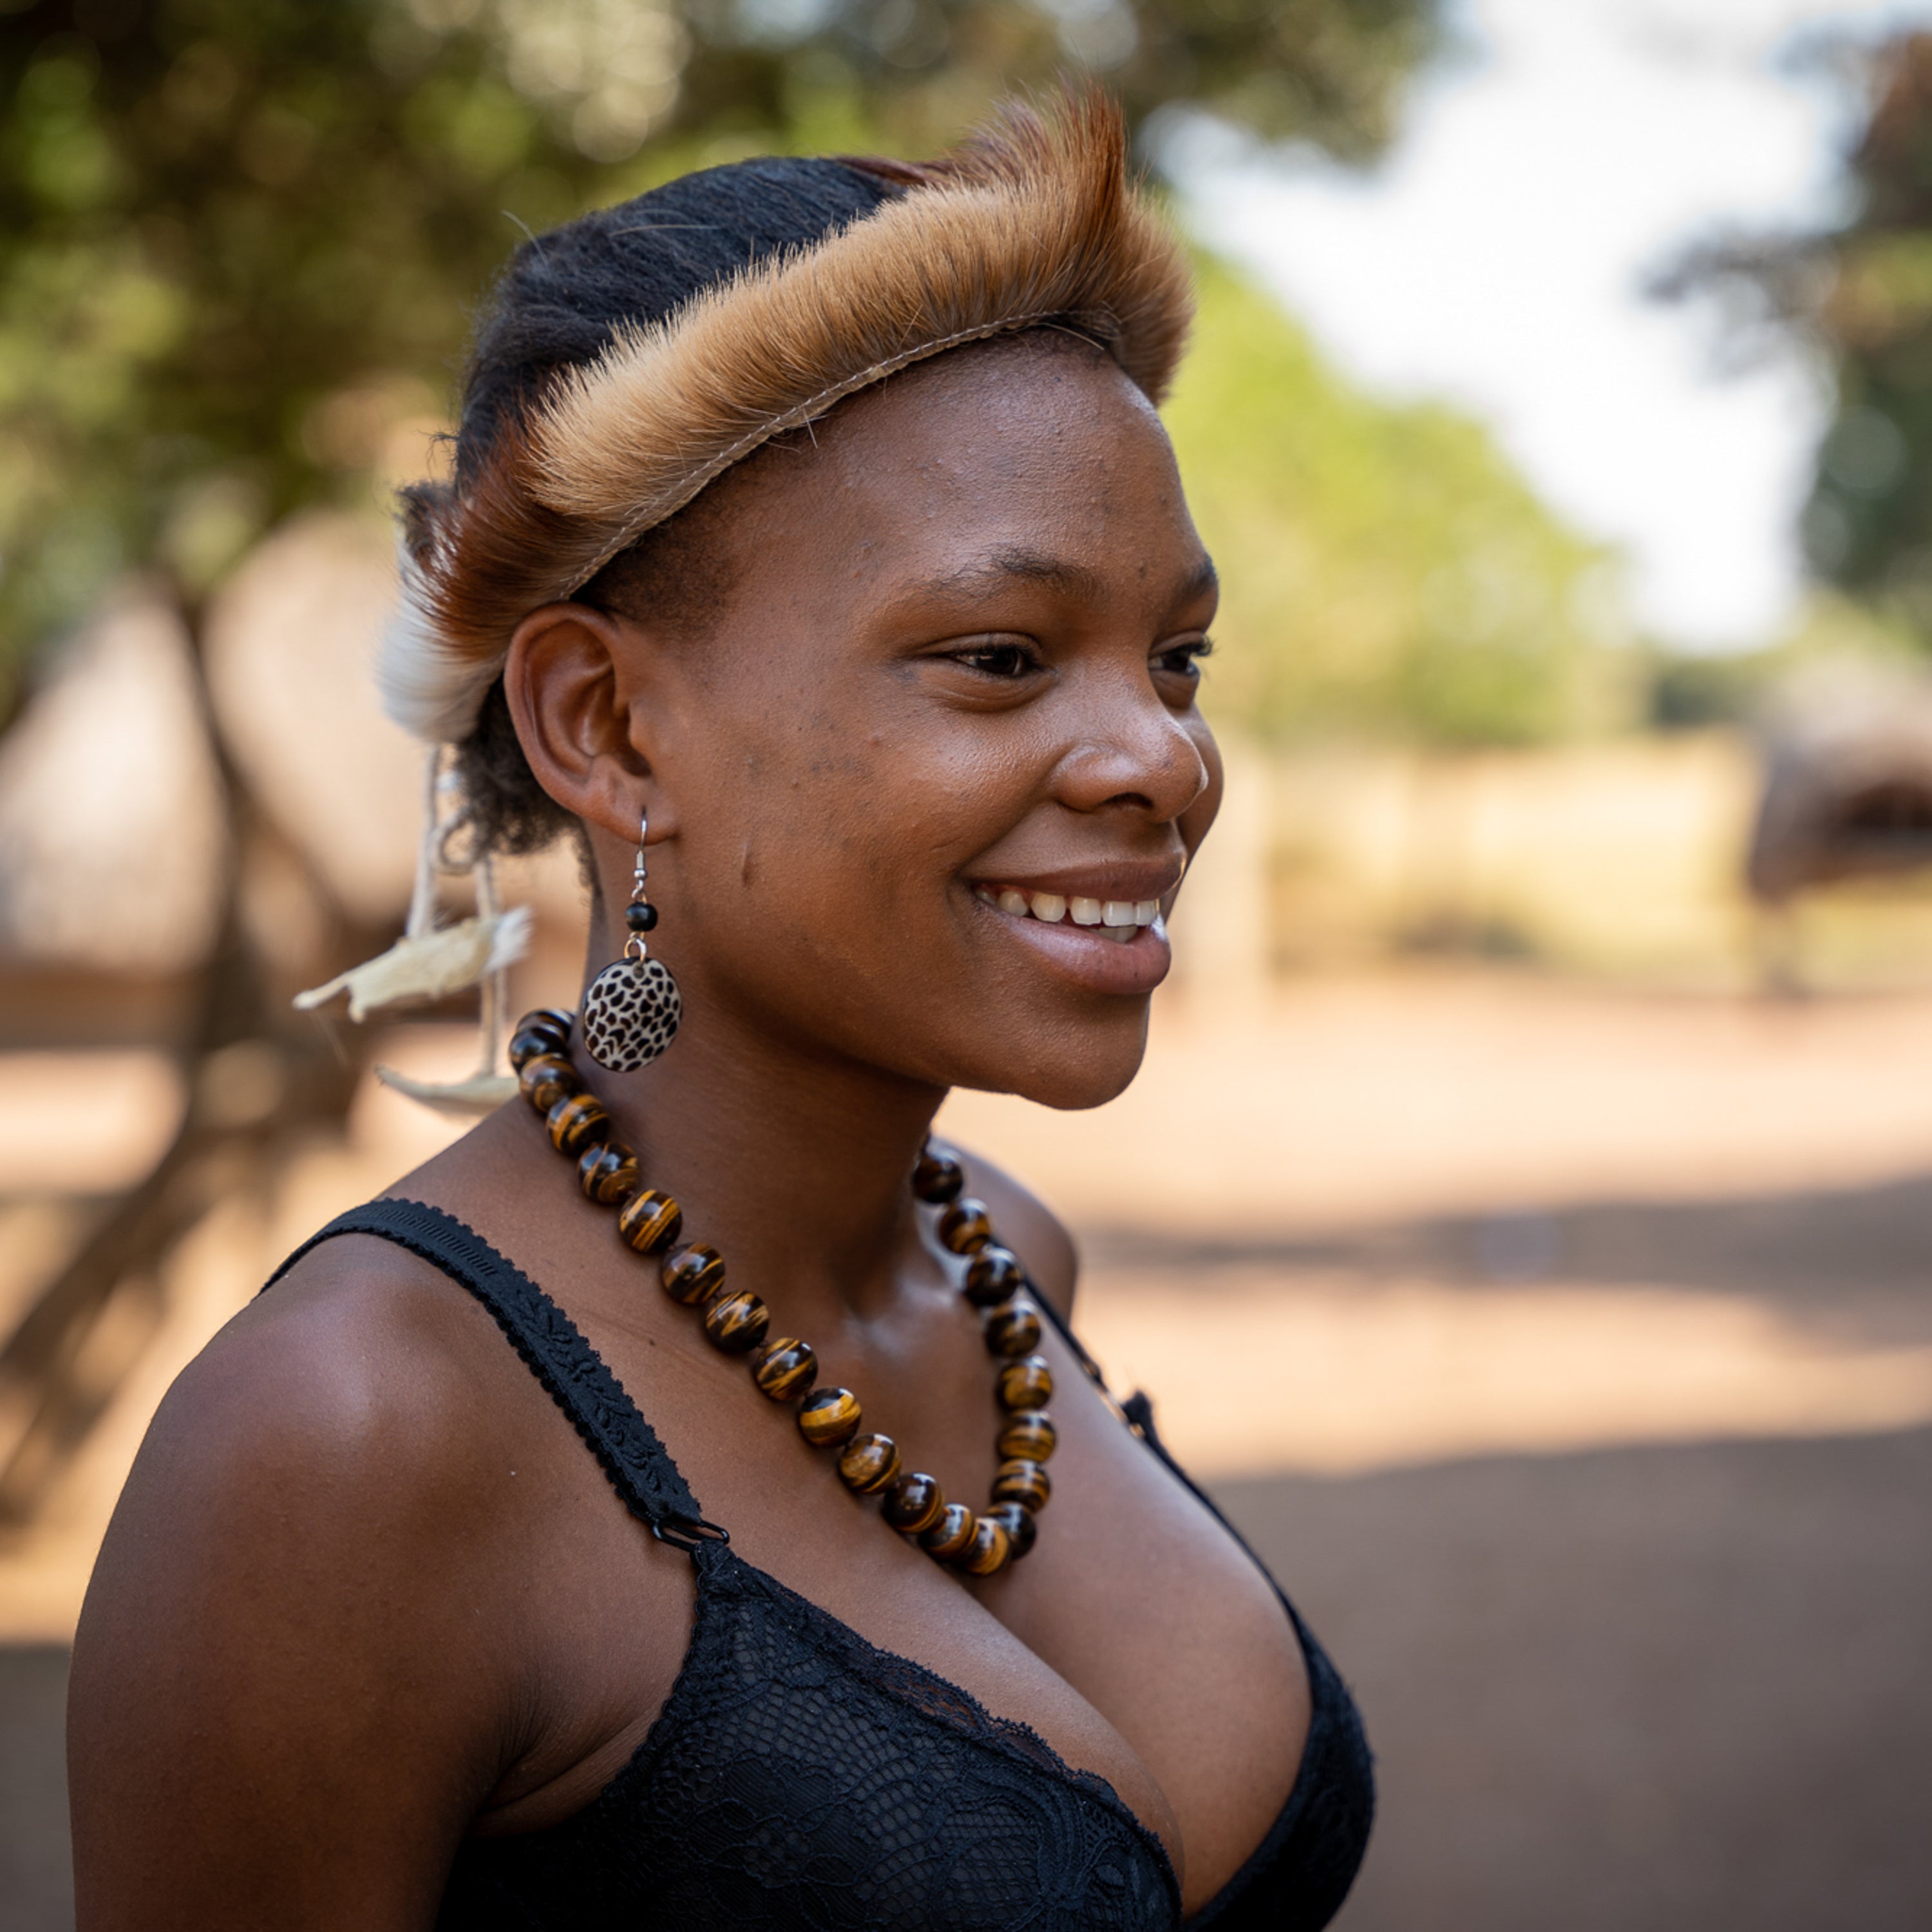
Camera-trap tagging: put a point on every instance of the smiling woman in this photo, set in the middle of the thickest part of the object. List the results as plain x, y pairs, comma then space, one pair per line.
814, 517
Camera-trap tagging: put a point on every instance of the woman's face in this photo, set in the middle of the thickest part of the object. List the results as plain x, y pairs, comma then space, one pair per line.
943, 721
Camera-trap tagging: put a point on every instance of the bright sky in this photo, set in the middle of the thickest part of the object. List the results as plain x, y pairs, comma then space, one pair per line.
1496, 259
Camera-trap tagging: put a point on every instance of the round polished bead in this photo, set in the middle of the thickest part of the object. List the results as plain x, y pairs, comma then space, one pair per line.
994, 1275
533, 1042
868, 1463
1029, 1434
1013, 1328
1022, 1532
640, 918
1026, 1384
913, 1503
560, 1019
649, 1221
952, 1536
965, 1227
938, 1177
1021, 1482
784, 1368
608, 1173
576, 1122
989, 1552
692, 1273
547, 1079
737, 1322
829, 1416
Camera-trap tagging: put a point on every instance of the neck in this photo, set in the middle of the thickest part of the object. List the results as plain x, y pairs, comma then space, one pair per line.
795, 1166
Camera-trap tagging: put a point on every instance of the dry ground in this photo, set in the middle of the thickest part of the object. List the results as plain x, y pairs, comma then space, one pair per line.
1570, 1354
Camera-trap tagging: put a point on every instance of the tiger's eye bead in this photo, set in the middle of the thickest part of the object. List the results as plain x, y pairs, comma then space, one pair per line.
640, 918
531, 1042
1013, 1328
1021, 1482
965, 1227
784, 1369
1026, 1384
829, 1416
737, 1322
913, 1503
649, 1221
547, 1079
692, 1273
938, 1177
1022, 1532
994, 1275
576, 1122
1029, 1434
990, 1550
608, 1173
952, 1536
559, 1019
869, 1463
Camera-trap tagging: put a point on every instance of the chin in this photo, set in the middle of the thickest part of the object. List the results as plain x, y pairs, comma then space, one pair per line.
1069, 1068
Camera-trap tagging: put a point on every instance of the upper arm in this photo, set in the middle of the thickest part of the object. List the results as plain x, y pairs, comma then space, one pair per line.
282, 1710
1030, 1228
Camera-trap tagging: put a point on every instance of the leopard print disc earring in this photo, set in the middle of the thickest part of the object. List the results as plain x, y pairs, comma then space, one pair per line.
632, 1011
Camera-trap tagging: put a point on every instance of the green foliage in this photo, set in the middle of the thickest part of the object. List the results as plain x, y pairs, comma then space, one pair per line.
1386, 571
239, 239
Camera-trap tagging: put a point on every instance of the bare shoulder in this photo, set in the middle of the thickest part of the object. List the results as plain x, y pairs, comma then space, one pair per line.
1028, 1226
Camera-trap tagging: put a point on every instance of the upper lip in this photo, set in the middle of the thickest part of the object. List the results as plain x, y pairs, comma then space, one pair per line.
1130, 879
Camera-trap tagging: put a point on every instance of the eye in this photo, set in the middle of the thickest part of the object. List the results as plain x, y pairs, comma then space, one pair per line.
1001, 658
1184, 660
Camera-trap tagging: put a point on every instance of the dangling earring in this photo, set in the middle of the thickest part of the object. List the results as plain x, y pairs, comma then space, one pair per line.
632, 1011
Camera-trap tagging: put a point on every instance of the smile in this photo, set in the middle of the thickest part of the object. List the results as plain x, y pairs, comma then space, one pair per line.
1121, 920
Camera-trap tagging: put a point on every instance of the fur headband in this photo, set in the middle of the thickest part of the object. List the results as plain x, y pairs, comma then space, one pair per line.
1030, 223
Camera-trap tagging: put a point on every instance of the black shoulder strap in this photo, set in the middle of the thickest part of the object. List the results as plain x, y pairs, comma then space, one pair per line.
638, 1465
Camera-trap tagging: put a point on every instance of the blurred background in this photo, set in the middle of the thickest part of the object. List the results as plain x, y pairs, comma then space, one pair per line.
1524, 1217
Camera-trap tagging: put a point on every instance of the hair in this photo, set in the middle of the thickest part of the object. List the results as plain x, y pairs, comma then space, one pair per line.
626, 361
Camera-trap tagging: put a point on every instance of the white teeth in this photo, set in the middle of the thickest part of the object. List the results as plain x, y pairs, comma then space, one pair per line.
1086, 912
1121, 935
1012, 902
1050, 907
1146, 911
1118, 912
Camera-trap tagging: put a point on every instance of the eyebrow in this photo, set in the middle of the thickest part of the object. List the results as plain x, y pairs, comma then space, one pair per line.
1018, 563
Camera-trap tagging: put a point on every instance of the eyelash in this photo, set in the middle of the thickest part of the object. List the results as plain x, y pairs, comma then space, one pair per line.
1018, 660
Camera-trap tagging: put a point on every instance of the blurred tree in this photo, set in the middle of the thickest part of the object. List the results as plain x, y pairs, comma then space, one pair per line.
238, 243
1387, 572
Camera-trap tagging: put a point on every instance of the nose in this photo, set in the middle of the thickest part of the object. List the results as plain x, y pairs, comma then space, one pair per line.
1134, 752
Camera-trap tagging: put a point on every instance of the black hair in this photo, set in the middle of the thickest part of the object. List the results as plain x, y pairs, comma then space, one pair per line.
559, 304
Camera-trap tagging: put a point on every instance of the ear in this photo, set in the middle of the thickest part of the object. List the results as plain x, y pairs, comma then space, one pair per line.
577, 681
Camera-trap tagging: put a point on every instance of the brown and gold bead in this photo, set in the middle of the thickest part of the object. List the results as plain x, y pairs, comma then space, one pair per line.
1031, 1434
829, 1416
1019, 1481
1022, 1532
937, 1178
913, 1503
993, 1275
868, 1463
530, 1042
1026, 1384
560, 1019
547, 1079
693, 1274
607, 1173
990, 1550
965, 1228
737, 1322
1013, 1328
952, 1536
650, 1221
576, 1122
784, 1369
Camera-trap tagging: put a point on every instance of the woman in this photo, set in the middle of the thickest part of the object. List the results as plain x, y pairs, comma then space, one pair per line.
813, 516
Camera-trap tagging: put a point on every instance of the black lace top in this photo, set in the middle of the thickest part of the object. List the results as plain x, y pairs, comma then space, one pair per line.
799, 1777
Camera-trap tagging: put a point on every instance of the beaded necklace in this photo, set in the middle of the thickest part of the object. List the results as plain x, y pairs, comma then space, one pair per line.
737, 1323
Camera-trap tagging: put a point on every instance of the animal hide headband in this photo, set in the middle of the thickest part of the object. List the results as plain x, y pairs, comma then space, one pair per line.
1033, 222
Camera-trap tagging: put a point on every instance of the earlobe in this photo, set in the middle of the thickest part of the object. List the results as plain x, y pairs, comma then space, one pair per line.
570, 678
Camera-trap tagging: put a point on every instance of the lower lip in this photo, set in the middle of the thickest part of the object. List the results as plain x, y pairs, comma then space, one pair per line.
1085, 956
